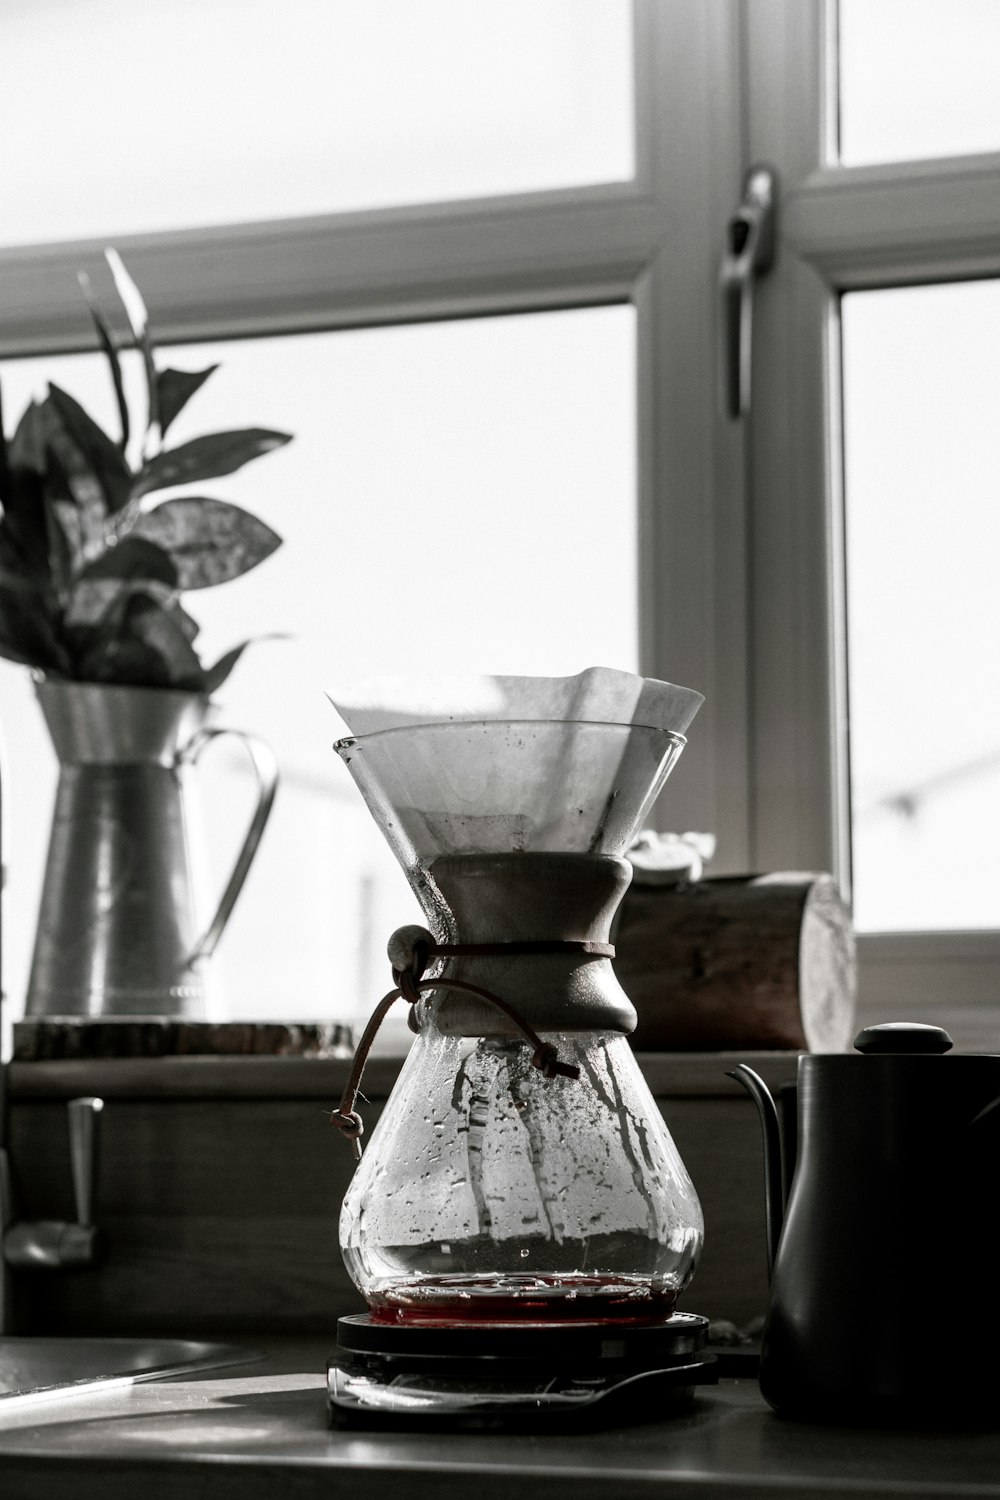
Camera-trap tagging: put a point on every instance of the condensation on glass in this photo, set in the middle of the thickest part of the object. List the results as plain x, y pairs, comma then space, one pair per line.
918, 79
120, 118
922, 480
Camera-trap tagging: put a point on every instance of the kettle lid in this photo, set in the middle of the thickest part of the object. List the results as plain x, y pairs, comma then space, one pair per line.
903, 1036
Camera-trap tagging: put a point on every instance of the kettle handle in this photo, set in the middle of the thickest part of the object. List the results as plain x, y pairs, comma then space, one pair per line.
774, 1210
266, 770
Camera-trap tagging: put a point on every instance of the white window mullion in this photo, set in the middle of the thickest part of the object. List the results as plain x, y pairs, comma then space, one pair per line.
551, 250
691, 456
900, 223
797, 670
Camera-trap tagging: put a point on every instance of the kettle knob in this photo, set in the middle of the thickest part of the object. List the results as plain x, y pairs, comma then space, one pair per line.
903, 1036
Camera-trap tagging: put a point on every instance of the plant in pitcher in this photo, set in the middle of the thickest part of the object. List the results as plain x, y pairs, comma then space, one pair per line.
93, 561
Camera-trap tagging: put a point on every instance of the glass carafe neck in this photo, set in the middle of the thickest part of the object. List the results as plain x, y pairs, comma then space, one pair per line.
509, 899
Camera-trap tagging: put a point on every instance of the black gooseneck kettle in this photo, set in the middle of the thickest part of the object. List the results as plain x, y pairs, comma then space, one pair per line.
885, 1264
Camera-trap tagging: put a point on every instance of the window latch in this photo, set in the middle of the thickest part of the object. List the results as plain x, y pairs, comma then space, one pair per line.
749, 253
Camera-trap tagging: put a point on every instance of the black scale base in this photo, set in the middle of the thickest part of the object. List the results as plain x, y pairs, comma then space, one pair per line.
507, 1376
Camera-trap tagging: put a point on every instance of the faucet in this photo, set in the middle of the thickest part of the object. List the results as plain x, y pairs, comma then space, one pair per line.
52, 1244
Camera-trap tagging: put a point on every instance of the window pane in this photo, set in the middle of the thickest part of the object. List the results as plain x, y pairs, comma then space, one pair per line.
458, 497
117, 117
922, 390
918, 78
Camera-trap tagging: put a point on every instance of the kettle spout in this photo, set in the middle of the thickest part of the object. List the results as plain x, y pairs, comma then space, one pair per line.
773, 1196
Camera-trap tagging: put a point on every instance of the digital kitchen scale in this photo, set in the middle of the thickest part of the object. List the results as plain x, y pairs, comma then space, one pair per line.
526, 1375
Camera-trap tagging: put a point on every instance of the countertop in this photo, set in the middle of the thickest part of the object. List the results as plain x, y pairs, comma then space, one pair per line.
260, 1429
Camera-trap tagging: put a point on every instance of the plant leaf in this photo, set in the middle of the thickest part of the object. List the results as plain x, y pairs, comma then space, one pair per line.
210, 541
133, 558
25, 523
110, 347
138, 320
68, 550
216, 675
54, 508
28, 633
13, 574
26, 449
207, 458
138, 642
176, 387
34, 476
75, 504
184, 621
32, 583
157, 627
4, 459
134, 565
103, 458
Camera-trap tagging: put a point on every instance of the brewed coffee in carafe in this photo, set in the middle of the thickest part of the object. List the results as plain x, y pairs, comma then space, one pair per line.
521, 1170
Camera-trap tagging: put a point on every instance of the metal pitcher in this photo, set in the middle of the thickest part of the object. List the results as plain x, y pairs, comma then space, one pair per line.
118, 933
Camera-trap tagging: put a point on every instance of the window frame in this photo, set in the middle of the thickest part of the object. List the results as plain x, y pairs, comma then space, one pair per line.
841, 228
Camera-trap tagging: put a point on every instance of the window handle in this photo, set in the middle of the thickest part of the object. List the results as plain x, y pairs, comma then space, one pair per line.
749, 253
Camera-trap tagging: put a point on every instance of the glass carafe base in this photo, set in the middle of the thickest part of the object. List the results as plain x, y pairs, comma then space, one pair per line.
523, 1298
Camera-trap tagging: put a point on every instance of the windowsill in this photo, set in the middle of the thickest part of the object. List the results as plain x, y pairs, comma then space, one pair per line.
975, 945
669, 1074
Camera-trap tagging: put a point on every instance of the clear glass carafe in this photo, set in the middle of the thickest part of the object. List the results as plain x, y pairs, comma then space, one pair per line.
490, 1192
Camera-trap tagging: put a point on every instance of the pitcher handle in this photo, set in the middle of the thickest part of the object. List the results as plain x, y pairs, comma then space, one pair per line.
266, 770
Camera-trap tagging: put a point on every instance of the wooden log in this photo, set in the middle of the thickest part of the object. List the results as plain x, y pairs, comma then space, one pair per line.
743, 962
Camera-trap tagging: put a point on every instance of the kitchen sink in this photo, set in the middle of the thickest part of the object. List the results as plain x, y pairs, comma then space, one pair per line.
39, 1369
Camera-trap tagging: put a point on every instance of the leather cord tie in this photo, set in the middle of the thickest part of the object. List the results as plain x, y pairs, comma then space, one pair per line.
411, 949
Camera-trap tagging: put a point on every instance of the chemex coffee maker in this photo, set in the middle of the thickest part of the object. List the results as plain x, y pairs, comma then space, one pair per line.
520, 1224
884, 1304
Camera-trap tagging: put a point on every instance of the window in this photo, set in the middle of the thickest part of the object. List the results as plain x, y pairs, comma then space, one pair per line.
753, 544
917, 79
921, 389
257, 112
871, 398
521, 327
